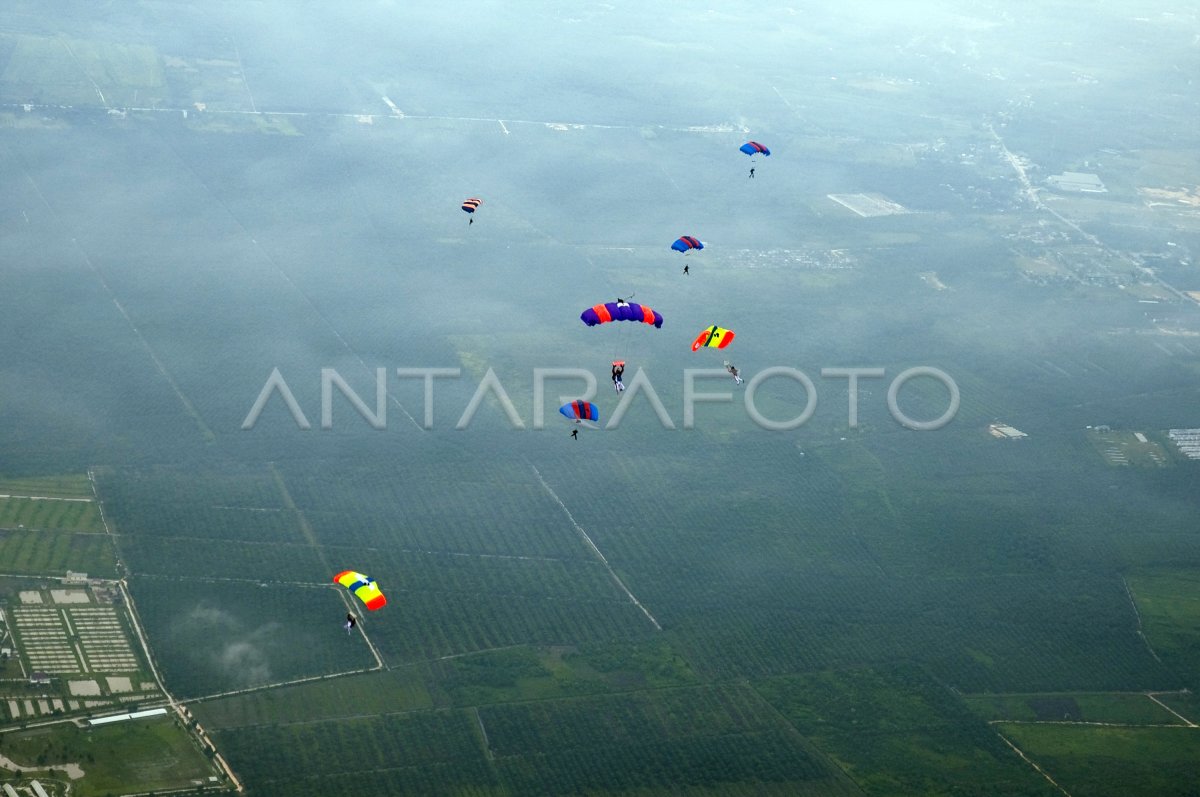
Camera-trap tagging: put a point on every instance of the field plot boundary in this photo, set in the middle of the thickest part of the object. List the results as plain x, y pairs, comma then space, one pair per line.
588, 540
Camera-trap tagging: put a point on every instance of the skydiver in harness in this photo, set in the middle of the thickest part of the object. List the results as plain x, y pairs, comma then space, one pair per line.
618, 369
350, 623
733, 371
575, 433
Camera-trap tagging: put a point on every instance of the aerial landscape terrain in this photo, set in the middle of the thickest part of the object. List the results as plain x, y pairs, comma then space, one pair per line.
941, 538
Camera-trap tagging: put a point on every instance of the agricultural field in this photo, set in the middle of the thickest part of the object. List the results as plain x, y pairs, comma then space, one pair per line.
228, 636
47, 514
1110, 707
49, 552
698, 738
77, 486
1169, 603
1111, 762
897, 731
205, 194
53, 524
143, 755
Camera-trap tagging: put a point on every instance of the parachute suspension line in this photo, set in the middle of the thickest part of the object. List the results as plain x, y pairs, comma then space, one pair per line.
626, 334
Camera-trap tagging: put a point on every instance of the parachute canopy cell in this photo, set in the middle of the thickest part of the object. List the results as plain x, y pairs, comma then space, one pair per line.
580, 410
471, 204
714, 337
364, 587
753, 148
620, 311
687, 243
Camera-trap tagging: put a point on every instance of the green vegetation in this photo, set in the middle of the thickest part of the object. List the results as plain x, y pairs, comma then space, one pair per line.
1123, 709
1093, 761
233, 636
424, 753
896, 731
227, 191
384, 691
1186, 704
1169, 603
523, 673
141, 755
30, 513
70, 486
55, 552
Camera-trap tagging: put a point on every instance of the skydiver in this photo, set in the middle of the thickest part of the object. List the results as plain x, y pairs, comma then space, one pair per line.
350, 623
685, 268
617, 371
751, 172
471, 219
732, 369
575, 433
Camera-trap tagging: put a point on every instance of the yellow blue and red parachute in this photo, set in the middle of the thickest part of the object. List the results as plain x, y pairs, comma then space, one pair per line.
580, 411
364, 587
714, 337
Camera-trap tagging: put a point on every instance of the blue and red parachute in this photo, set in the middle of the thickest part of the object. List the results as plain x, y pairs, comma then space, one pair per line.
753, 148
620, 311
687, 243
580, 411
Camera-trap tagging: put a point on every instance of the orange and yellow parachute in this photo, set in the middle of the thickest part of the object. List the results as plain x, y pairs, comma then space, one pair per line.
362, 586
714, 337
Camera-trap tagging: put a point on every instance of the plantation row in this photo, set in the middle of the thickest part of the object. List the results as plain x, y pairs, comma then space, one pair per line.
247, 486
1034, 634
900, 732
209, 638
354, 746
584, 580
539, 529
760, 759
63, 515
56, 552
70, 486
190, 558
429, 625
420, 750
168, 519
632, 719
398, 690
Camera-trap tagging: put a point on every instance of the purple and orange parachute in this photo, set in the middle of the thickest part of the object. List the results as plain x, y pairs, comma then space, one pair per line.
620, 311
686, 243
471, 205
580, 411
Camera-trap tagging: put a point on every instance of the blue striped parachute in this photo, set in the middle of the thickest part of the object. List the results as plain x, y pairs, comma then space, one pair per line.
580, 410
687, 243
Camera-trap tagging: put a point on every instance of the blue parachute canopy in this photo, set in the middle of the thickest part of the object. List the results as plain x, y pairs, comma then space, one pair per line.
580, 410
753, 148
